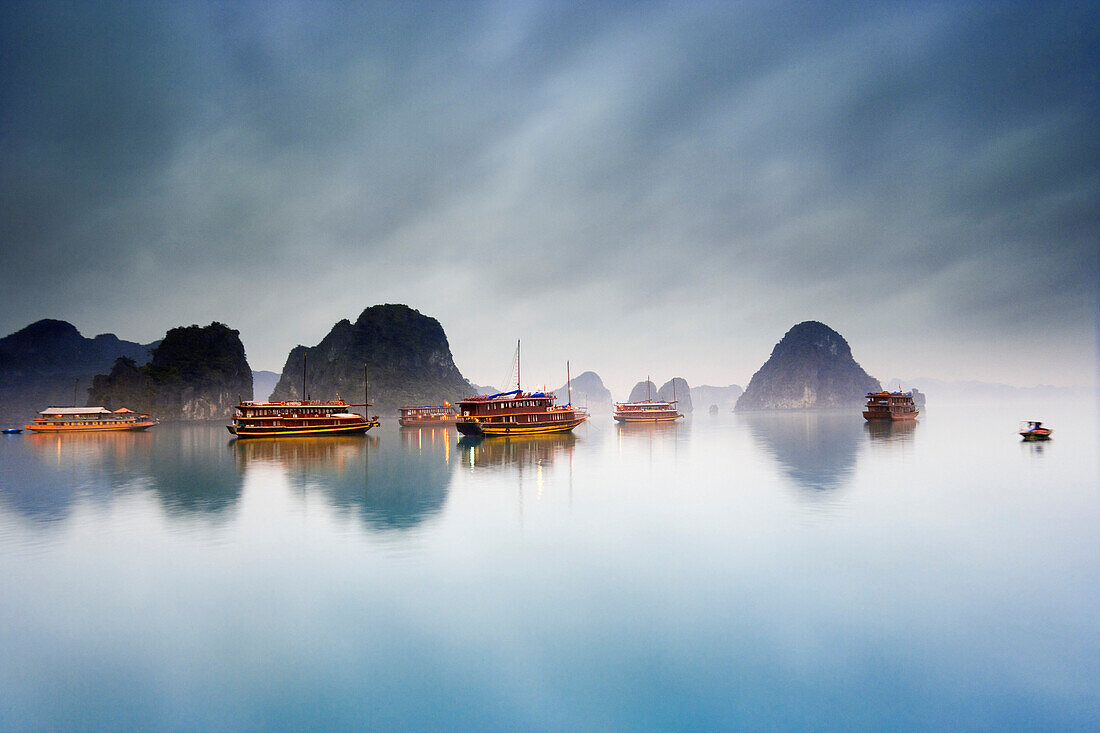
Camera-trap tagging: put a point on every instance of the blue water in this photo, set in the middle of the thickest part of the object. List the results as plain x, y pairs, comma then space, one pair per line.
791, 571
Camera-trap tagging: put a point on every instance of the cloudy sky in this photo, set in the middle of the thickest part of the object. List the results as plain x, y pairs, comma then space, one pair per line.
640, 188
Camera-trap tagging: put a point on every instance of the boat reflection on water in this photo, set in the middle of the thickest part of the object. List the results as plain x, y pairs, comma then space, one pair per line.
521, 451
190, 471
58, 470
331, 454
891, 431
385, 484
817, 450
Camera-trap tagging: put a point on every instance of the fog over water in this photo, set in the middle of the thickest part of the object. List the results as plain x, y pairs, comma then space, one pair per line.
656, 188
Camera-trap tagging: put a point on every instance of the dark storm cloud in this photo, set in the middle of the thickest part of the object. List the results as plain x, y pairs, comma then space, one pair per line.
750, 164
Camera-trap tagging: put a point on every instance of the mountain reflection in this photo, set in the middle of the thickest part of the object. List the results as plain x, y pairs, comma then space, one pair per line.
389, 486
43, 475
190, 471
815, 449
522, 451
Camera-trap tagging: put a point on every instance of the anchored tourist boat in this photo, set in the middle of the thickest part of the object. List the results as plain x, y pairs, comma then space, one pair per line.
1034, 430
301, 417
649, 410
517, 412
656, 411
88, 420
427, 415
890, 406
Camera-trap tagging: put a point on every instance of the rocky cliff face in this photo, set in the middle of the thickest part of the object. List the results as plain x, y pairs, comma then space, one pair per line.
197, 373
588, 389
40, 364
811, 367
676, 389
643, 391
406, 355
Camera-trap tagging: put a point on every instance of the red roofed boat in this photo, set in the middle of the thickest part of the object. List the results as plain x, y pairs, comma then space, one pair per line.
890, 406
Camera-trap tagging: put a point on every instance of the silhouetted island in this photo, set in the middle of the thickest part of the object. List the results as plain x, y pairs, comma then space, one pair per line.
407, 358
676, 389
588, 391
41, 364
197, 373
643, 391
811, 367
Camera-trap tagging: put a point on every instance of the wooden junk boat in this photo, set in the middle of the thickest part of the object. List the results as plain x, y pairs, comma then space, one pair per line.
655, 411
517, 412
1034, 430
89, 420
648, 410
426, 415
301, 417
890, 406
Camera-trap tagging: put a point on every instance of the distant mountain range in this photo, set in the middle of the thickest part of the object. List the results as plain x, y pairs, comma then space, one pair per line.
724, 397
940, 391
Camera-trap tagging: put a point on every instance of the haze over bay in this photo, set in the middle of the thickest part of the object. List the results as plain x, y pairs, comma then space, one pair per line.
597, 181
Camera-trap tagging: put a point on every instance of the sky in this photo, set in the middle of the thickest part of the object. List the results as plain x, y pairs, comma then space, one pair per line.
640, 188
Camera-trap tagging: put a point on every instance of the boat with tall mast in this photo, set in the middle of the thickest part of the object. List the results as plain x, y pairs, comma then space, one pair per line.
302, 417
650, 410
517, 412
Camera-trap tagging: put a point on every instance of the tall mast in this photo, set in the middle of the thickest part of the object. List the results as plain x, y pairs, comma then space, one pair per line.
568, 383
648, 397
75, 382
366, 393
304, 354
517, 366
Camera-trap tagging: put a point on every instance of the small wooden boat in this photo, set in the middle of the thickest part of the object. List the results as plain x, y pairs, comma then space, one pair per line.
1034, 430
12, 431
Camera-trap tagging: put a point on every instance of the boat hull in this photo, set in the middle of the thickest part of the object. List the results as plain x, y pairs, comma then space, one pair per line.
488, 429
89, 428
283, 432
1032, 435
646, 418
890, 416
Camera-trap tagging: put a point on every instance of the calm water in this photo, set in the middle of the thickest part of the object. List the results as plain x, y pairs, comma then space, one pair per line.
734, 571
